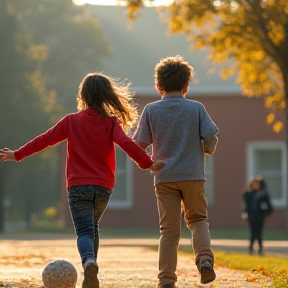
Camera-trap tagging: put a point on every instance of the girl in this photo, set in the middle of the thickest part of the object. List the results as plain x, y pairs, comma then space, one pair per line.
258, 206
91, 134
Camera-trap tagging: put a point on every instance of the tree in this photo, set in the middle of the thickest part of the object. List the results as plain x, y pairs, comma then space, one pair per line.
22, 89
249, 36
47, 47
76, 45
75, 41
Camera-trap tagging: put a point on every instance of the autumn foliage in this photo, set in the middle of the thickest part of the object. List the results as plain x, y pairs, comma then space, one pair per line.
248, 36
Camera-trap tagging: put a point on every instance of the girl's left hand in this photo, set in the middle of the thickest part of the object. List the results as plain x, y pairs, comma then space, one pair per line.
157, 165
7, 155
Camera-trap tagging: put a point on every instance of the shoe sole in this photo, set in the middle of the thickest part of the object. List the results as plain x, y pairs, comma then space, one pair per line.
90, 276
207, 276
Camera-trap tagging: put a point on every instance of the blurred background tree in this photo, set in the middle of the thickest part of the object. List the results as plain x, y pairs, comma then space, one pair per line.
75, 41
47, 47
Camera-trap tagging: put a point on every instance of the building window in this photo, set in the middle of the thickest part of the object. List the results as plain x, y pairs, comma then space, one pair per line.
209, 179
122, 194
268, 158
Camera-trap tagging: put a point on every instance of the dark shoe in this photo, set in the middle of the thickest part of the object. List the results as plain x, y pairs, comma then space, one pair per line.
90, 276
207, 272
167, 285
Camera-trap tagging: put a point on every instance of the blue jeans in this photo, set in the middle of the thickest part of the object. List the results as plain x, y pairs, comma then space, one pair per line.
87, 205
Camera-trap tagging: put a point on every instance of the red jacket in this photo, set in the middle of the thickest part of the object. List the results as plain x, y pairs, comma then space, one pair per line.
90, 148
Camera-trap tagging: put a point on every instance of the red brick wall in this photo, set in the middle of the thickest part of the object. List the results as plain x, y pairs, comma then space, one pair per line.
240, 120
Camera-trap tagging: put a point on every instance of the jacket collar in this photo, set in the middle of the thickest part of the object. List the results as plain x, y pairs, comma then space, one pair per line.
167, 98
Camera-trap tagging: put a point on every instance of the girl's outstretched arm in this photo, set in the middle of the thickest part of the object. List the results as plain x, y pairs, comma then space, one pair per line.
51, 137
7, 155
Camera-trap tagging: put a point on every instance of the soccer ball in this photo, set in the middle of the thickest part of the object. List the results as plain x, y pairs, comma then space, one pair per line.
59, 274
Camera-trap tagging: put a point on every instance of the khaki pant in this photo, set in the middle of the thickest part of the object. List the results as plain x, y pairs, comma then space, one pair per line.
172, 197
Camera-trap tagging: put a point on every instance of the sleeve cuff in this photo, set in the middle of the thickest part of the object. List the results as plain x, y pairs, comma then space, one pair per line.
18, 155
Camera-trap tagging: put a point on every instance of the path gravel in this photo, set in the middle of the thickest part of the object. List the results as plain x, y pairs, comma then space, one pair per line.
124, 263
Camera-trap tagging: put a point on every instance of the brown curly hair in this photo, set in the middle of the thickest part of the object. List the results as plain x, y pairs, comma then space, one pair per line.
109, 97
173, 73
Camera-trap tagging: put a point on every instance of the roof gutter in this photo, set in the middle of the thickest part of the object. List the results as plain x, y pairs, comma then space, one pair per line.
194, 91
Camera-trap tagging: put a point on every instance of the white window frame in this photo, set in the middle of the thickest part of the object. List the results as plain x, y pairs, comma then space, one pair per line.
210, 177
269, 145
128, 202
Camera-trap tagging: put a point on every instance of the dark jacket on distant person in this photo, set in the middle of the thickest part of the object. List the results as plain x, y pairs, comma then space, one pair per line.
257, 203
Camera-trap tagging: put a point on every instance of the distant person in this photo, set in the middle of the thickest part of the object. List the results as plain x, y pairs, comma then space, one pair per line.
105, 108
181, 132
257, 208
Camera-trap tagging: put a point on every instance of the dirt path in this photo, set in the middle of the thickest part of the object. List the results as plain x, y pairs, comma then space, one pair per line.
22, 262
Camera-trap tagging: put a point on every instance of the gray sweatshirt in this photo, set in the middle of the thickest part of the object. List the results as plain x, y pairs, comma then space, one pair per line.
180, 131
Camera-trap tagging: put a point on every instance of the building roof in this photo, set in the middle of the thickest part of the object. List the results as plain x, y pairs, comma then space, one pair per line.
136, 47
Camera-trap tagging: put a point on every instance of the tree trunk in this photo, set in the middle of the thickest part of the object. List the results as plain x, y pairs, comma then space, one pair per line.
284, 69
286, 130
286, 127
2, 178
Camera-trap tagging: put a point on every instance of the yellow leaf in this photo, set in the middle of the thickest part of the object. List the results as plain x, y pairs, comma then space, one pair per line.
277, 127
270, 118
251, 278
282, 105
51, 211
266, 273
268, 102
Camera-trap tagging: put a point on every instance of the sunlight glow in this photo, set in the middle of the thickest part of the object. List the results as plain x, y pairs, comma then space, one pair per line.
117, 2
217, 3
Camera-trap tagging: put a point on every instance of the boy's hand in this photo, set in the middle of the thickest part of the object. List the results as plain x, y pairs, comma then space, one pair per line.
7, 155
208, 153
157, 165
205, 150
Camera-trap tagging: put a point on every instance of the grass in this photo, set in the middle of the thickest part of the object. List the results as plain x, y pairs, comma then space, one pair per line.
275, 268
215, 233
271, 266
280, 235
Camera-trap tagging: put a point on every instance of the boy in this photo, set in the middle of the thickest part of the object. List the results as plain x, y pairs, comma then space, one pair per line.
181, 132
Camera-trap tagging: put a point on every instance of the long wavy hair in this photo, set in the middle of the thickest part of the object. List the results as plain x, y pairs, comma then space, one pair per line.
109, 97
